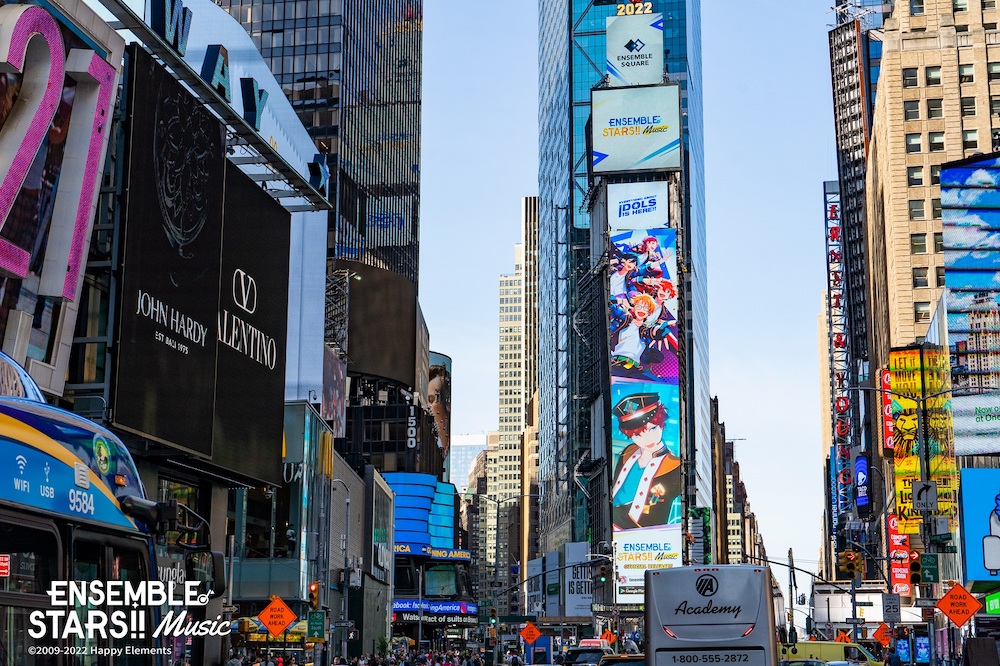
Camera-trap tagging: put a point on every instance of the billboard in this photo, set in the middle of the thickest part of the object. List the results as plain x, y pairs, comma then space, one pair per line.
646, 509
638, 205
166, 362
636, 129
970, 204
579, 584
333, 408
919, 393
439, 397
635, 50
899, 557
981, 524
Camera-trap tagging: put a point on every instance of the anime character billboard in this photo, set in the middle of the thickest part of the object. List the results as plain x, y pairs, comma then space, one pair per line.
643, 304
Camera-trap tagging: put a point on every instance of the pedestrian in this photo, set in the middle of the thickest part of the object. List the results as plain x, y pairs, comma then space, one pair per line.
893, 659
234, 661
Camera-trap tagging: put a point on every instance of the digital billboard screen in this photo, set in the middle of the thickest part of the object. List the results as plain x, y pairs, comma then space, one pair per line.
635, 129
252, 323
638, 205
171, 269
981, 524
970, 202
439, 397
635, 49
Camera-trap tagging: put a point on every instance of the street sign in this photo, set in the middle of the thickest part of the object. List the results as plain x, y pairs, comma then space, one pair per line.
353, 634
855, 620
495, 583
316, 627
993, 604
865, 603
231, 609
890, 609
925, 603
925, 496
929, 568
277, 617
842, 637
948, 549
530, 633
959, 605
882, 634
344, 623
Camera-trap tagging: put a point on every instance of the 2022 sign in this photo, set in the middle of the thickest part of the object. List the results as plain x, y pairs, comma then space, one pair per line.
31, 44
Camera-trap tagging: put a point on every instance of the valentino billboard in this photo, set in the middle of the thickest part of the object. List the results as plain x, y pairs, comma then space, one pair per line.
204, 296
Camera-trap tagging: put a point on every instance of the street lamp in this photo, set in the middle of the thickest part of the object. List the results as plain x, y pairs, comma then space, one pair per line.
347, 537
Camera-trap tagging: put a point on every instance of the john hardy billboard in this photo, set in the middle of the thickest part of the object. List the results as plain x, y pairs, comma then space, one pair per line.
970, 205
645, 442
919, 395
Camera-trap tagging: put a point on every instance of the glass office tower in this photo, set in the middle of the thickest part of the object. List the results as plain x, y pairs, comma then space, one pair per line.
352, 72
571, 62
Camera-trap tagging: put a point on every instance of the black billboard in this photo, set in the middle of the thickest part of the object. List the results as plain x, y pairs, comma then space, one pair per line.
252, 331
202, 324
166, 348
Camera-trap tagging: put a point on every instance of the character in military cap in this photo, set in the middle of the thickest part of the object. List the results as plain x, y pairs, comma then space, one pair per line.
647, 481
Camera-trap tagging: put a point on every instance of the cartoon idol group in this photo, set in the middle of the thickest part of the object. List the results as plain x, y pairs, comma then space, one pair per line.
643, 305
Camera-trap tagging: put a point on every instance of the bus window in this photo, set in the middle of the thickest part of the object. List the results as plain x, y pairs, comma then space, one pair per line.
88, 565
32, 556
130, 565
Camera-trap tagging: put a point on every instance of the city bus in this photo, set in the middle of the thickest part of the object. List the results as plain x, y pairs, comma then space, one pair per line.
78, 575
710, 615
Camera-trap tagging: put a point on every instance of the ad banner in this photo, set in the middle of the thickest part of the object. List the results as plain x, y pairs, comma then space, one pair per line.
635, 50
636, 129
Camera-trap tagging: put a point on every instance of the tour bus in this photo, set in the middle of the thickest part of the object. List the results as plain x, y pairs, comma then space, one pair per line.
77, 565
710, 615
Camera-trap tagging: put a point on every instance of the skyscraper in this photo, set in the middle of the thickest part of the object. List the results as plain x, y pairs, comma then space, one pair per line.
571, 62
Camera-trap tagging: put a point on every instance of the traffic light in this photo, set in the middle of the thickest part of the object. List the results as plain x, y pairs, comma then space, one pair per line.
314, 595
493, 616
914, 572
603, 576
851, 565
842, 561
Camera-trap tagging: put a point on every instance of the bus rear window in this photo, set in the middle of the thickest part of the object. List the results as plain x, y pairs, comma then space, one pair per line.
29, 556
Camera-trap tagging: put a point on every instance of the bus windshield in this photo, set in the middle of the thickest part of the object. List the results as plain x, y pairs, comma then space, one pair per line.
703, 615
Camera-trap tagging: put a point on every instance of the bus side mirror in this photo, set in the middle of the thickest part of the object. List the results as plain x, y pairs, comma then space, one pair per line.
209, 567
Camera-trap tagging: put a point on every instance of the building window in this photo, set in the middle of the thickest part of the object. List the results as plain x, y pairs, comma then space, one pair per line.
989, 26
960, 5
910, 77
921, 311
935, 108
993, 71
961, 28
914, 176
918, 243
935, 142
966, 74
989, 4
970, 139
913, 143
968, 106
916, 207
936, 209
939, 274
911, 110
933, 76
916, 7
935, 174
939, 242
920, 278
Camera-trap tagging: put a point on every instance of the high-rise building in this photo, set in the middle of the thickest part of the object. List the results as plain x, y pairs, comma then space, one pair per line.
572, 56
465, 449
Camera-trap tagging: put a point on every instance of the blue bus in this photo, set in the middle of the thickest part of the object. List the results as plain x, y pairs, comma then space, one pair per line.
78, 576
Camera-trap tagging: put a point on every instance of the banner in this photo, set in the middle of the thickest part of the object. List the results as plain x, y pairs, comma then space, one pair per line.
899, 558
638, 205
635, 50
636, 129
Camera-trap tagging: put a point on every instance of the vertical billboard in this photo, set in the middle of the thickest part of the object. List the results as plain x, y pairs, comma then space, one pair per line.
981, 524
333, 408
970, 210
171, 267
579, 584
920, 396
646, 487
439, 397
638, 205
841, 490
899, 557
636, 129
635, 50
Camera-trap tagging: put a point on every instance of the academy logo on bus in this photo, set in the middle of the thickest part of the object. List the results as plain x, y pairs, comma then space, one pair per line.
708, 609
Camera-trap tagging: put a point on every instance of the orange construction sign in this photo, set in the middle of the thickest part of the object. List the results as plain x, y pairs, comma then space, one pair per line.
609, 636
882, 634
842, 637
277, 617
959, 605
530, 633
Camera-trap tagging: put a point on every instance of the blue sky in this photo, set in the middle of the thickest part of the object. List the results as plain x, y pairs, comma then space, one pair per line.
769, 147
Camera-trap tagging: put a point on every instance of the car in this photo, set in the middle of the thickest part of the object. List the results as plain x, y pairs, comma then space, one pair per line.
634, 659
585, 656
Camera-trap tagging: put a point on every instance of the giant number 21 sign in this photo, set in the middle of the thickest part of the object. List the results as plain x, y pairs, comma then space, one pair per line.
31, 44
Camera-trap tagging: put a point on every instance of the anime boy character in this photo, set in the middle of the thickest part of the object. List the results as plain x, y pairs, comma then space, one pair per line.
623, 266
631, 338
647, 480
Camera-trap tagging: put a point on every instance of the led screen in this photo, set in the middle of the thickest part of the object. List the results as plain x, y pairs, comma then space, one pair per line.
635, 129
635, 49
